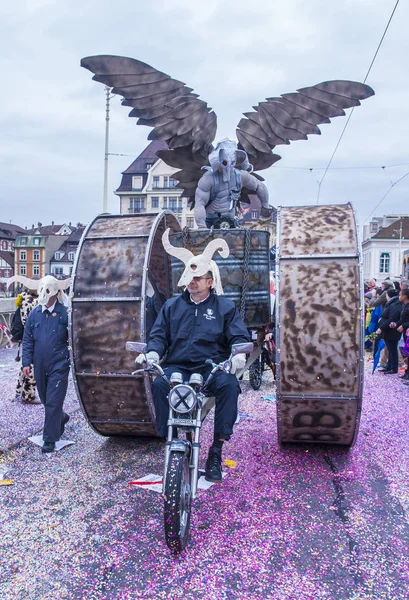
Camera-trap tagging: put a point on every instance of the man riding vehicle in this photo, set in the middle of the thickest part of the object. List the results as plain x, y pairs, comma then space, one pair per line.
198, 325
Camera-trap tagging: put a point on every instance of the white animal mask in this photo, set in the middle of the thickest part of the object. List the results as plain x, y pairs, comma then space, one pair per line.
46, 287
197, 266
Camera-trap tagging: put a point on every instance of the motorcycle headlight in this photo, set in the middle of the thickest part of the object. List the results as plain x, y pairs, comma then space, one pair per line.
182, 398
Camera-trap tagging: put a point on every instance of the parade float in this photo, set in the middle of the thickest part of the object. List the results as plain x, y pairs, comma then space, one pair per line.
121, 263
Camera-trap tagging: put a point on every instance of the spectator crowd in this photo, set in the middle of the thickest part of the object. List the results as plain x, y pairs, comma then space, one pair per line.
387, 325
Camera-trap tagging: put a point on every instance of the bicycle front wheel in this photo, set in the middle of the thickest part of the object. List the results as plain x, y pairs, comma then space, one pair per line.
178, 501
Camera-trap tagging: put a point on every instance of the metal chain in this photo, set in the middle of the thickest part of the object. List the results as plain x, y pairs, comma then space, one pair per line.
245, 272
188, 241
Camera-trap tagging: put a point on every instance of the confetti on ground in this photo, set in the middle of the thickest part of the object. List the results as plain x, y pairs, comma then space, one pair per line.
330, 523
38, 440
269, 398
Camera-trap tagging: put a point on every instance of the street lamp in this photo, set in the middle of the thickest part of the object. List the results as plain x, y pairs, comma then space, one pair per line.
108, 98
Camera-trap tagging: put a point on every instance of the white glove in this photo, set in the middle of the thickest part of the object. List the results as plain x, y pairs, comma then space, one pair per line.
148, 357
237, 363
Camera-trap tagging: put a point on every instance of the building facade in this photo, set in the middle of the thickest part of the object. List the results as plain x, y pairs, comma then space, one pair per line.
385, 241
8, 234
35, 248
147, 186
62, 261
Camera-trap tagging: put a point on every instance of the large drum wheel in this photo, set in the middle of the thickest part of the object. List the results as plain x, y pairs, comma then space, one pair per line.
319, 336
116, 255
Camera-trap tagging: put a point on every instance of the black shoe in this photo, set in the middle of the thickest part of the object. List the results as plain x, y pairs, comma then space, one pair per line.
404, 376
64, 421
48, 447
390, 372
214, 466
382, 369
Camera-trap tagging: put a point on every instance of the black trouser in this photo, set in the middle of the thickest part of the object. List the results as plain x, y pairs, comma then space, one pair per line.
392, 346
52, 387
225, 388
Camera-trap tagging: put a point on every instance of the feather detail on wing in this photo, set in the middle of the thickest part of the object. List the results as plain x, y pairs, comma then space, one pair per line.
291, 117
177, 115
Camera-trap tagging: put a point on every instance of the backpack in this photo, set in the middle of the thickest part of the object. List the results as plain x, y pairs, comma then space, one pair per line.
17, 327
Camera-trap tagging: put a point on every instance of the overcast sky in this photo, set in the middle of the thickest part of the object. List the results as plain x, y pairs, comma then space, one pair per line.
234, 54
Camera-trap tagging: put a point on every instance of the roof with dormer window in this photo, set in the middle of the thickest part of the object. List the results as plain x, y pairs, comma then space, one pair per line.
392, 232
140, 165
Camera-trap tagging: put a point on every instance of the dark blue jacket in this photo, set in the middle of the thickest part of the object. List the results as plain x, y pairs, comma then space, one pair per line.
191, 333
45, 341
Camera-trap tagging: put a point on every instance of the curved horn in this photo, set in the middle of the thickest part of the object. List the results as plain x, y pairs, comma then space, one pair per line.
219, 244
31, 284
64, 284
182, 254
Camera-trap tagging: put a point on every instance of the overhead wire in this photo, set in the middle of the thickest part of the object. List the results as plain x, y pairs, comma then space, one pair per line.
350, 114
337, 168
384, 196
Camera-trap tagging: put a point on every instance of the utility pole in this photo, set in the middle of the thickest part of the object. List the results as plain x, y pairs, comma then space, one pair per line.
108, 97
400, 248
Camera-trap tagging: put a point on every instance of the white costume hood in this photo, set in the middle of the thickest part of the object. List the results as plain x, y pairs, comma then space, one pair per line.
197, 266
46, 287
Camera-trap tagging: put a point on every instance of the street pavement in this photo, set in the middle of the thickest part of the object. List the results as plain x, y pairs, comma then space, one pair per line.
287, 523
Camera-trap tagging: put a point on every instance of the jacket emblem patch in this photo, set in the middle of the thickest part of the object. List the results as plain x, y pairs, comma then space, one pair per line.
209, 314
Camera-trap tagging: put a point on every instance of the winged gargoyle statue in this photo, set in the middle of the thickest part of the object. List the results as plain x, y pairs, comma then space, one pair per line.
188, 126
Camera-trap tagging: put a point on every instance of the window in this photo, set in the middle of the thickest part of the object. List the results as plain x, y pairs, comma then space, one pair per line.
36, 270
173, 203
254, 214
4, 245
23, 241
149, 165
23, 255
136, 204
71, 268
71, 255
172, 182
180, 205
155, 201
190, 222
373, 227
58, 271
155, 183
58, 255
22, 269
384, 262
36, 255
165, 181
36, 241
7, 273
137, 183
165, 201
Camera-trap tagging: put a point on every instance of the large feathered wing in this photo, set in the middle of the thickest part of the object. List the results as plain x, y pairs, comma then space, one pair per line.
176, 115
291, 117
